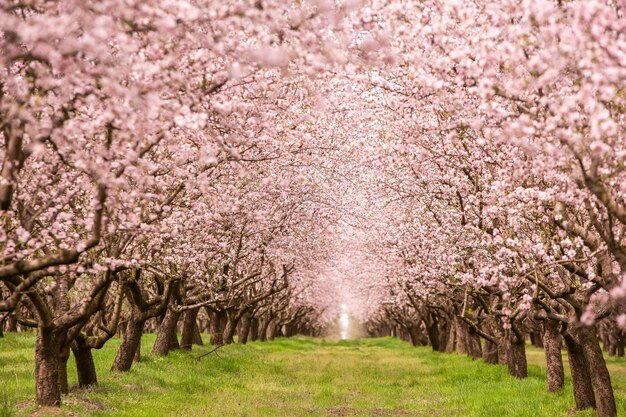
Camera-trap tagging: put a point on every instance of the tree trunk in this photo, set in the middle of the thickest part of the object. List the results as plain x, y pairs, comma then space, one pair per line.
197, 336
472, 341
137, 357
271, 330
503, 351
291, 330
581, 381
516, 355
85, 366
444, 334
231, 326
600, 378
2, 321
47, 368
254, 329
451, 345
263, 324
217, 328
490, 352
130, 346
433, 334
190, 328
620, 343
554, 360
11, 325
461, 339
166, 339
64, 355
244, 328
414, 335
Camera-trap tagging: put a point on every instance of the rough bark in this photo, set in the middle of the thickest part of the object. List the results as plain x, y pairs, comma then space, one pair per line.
190, 328
461, 340
271, 330
254, 330
414, 335
131, 343
598, 372
137, 357
85, 366
516, 355
217, 327
451, 345
263, 324
244, 328
47, 368
64, 355
197, 336
166, 339
581, 381
11, 325
230, 327
502, 351
474, 349
554, 360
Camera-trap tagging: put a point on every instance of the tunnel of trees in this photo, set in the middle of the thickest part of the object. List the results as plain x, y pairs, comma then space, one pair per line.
452, 172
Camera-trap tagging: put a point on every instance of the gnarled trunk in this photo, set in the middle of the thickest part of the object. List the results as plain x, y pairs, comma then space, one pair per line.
244, 328
254, 329
190, 328
47, 384
503, 351
598, 372
475, 350
264, 322
451, 345
581, 382
231, 326
11, 325
217, 327
130, 346
85, 366
64, 355
271, 330
414, 334
554, 360
166, 339
516, 355
461, 339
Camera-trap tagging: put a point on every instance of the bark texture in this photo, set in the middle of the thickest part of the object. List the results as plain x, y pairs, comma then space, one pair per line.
167, 339
131, 343
554, 360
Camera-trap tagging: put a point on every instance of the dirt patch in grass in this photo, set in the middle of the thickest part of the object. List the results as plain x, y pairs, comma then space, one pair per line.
52, 412
380, 412
377, 412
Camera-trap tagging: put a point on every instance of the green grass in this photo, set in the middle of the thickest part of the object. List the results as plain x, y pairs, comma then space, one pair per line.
297, 377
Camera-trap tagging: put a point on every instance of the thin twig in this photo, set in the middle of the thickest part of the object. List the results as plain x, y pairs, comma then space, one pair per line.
209, 352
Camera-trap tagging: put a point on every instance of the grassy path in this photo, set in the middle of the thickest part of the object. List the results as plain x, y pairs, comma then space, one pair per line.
299, 377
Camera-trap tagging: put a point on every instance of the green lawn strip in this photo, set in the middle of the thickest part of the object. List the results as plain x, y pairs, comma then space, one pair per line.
298, 377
